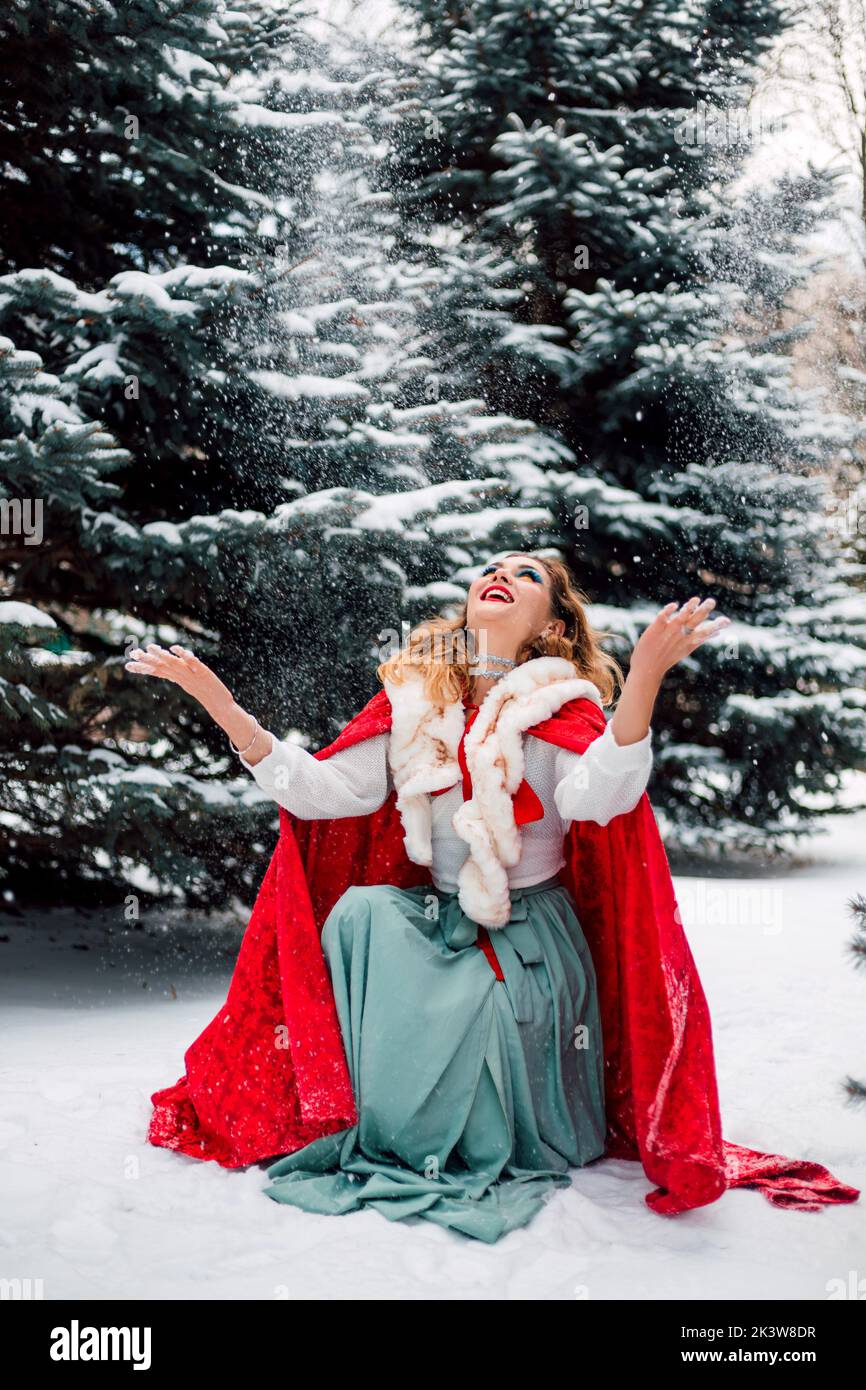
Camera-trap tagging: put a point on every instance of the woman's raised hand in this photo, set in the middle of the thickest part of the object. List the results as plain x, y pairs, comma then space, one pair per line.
180, 665
674, 633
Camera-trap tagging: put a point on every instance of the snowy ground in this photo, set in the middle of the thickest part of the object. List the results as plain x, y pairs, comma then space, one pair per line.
96, 1017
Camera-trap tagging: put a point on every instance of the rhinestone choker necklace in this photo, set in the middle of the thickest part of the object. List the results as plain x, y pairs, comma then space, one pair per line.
487, 667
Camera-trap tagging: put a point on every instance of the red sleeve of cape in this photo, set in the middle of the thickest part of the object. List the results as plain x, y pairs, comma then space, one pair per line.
269, 1074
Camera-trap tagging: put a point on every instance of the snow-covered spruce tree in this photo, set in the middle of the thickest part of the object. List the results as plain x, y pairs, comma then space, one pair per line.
118, 129
126, 158
77, 806
241, 453
604, 277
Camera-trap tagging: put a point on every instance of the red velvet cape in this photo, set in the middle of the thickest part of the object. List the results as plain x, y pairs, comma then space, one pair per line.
269, 1074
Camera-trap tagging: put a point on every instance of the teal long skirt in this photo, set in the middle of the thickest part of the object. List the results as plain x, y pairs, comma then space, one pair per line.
475, 1096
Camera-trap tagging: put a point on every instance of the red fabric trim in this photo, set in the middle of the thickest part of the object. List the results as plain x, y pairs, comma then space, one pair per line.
486, 945
527, 806
461, 752
269, 1074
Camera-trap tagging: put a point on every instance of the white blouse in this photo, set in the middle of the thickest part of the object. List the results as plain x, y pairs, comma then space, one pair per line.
607, 780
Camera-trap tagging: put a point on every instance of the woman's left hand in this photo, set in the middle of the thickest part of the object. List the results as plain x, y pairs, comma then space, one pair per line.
674, 633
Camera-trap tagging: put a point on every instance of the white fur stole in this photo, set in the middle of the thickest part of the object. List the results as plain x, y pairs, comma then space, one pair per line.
422, 755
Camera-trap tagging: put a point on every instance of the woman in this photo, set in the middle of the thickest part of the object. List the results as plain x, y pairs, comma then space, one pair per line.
467, 999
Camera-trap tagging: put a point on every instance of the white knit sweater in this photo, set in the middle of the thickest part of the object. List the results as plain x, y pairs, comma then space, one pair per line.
606, 780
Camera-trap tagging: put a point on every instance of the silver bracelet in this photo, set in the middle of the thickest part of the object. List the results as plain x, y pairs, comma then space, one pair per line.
256, 733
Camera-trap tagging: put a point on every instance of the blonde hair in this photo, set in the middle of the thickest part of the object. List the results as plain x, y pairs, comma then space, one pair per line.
438, 647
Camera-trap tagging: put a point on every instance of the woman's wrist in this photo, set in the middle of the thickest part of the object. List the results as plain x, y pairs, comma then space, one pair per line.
257, 742
648, 675
241, 727
634, 710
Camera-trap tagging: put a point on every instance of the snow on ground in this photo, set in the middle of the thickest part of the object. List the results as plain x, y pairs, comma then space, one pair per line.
97, 1016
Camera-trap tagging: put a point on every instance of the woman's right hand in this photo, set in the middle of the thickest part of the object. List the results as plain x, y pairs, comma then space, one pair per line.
180, 665
183, 668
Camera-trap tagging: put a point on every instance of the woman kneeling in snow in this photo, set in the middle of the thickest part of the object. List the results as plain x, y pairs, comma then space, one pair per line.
465, 972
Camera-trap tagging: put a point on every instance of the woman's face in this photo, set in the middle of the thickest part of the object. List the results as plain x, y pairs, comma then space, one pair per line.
511, 598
